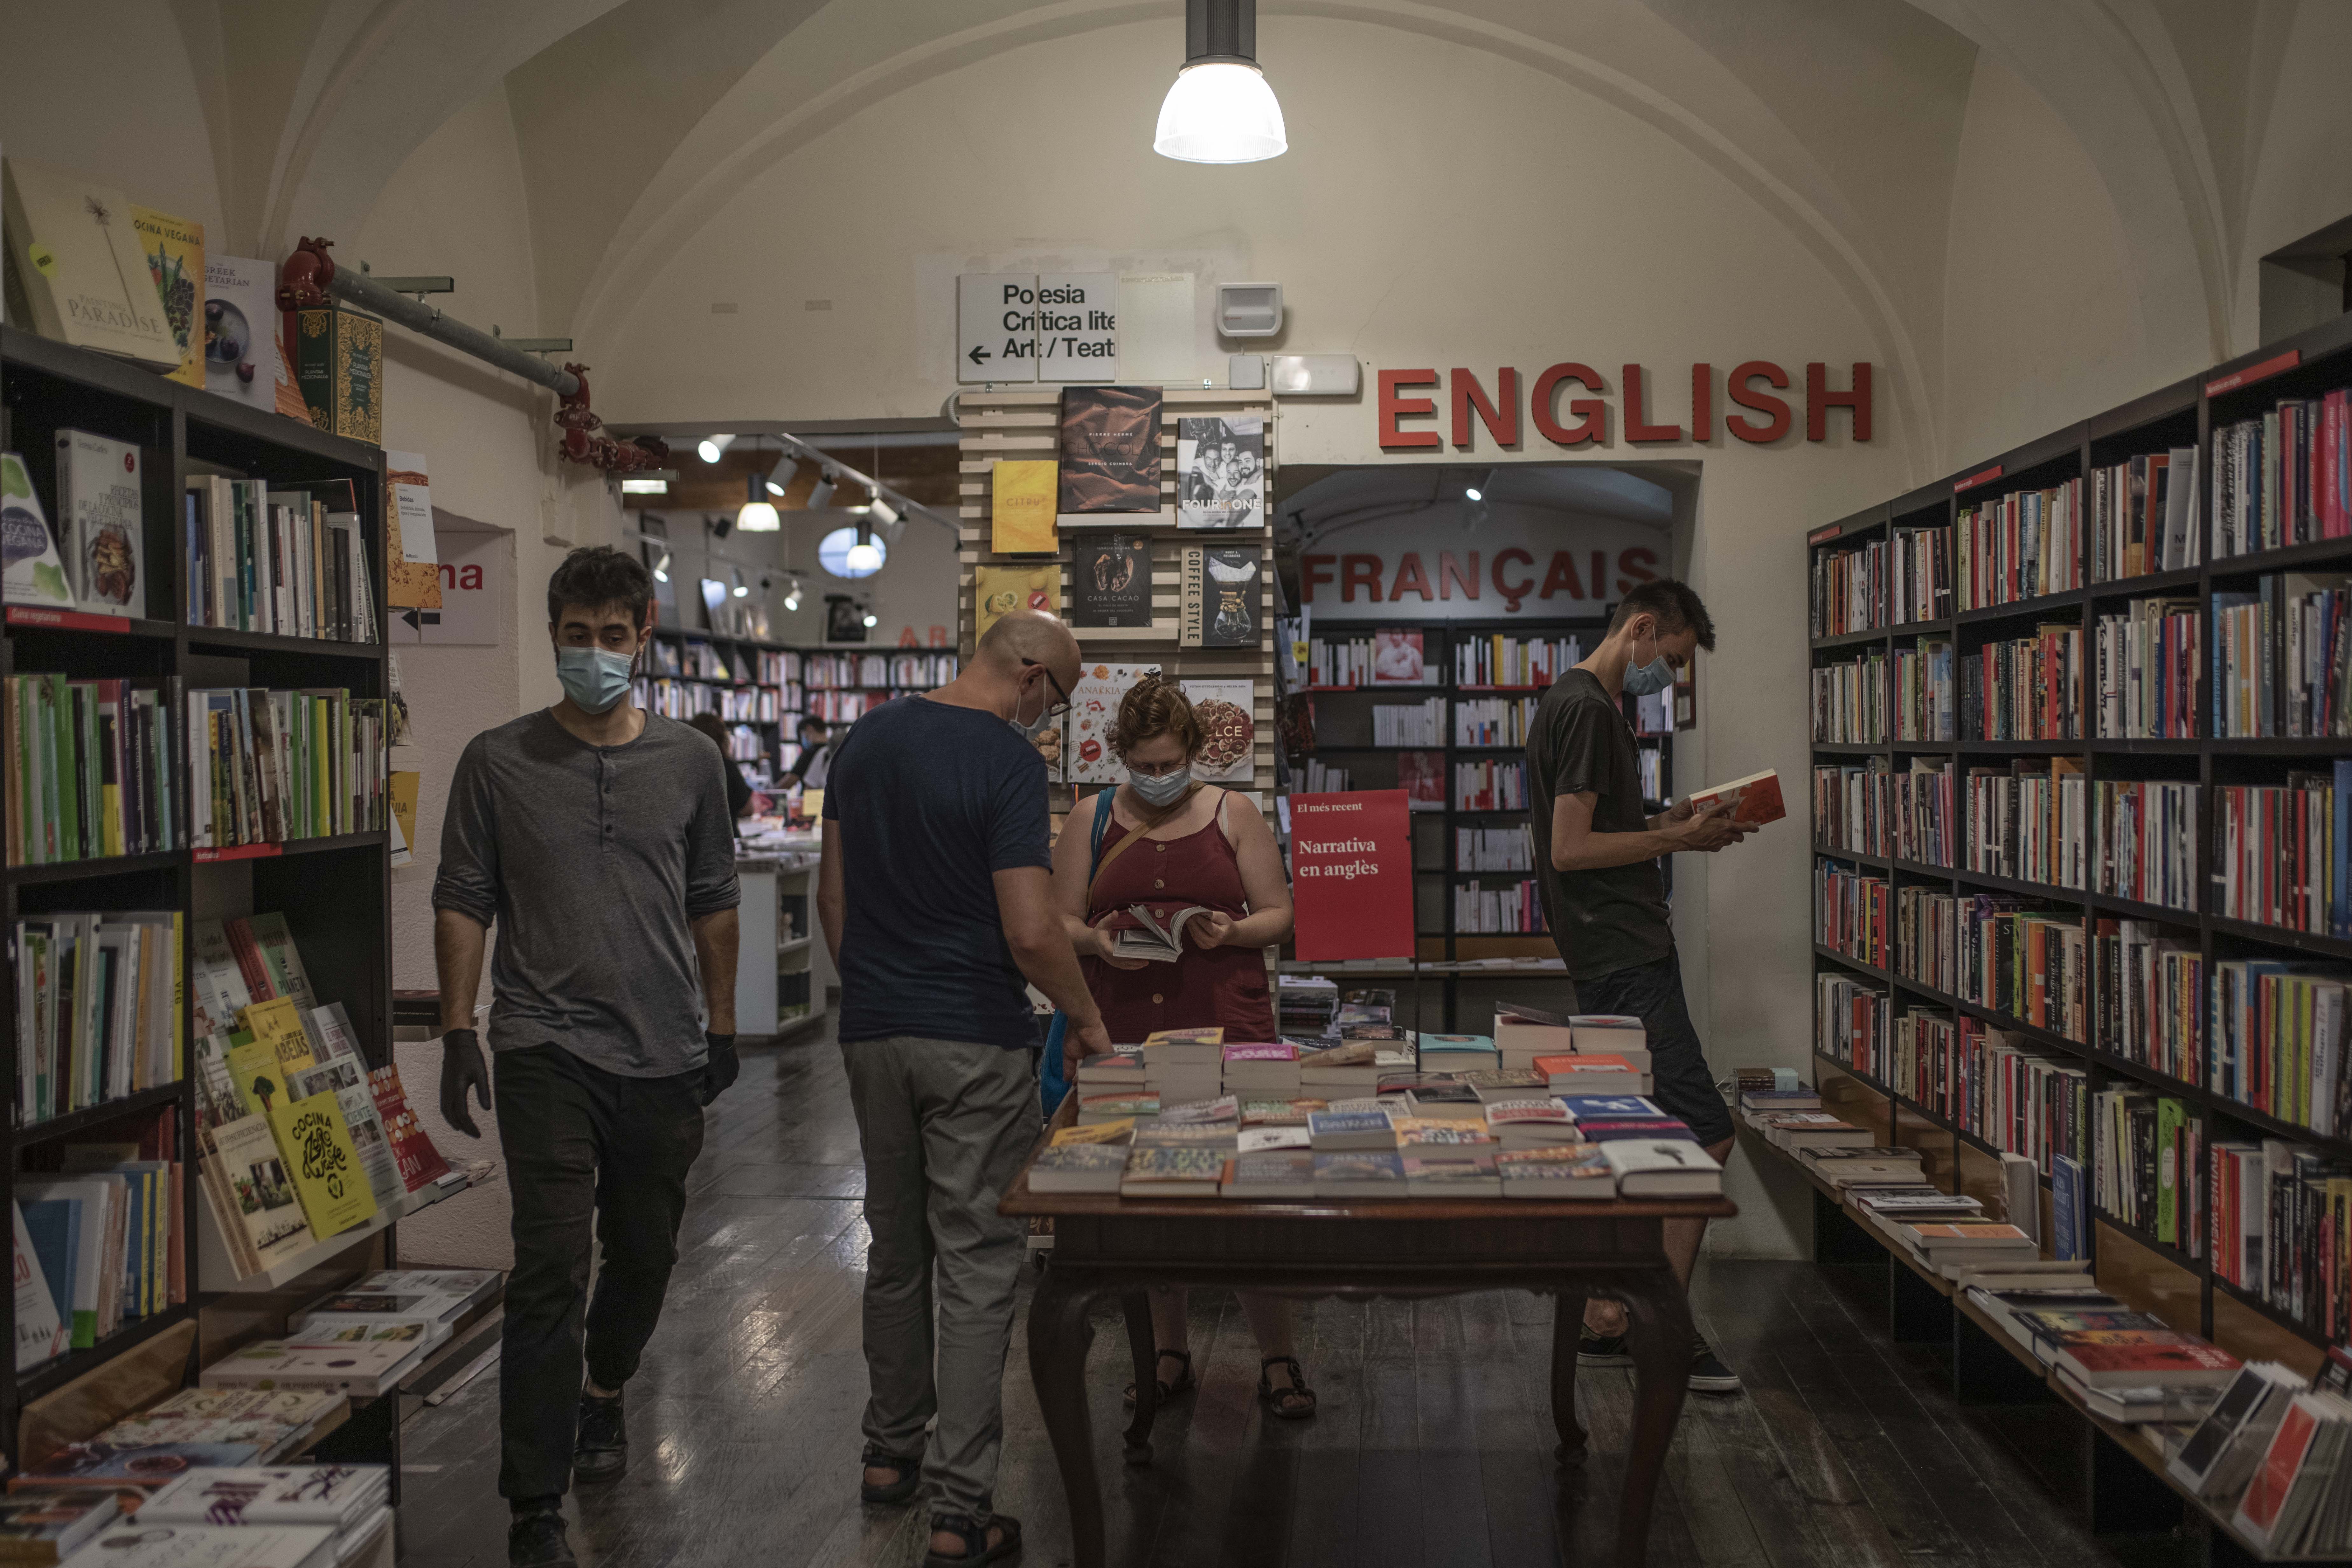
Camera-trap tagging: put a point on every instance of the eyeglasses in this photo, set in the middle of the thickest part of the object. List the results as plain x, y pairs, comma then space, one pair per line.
1160, 770
1058, 709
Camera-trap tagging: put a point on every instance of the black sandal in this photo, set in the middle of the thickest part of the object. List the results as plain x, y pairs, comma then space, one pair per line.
1296, 1403
909, 1470
1168, 1391
974, 1535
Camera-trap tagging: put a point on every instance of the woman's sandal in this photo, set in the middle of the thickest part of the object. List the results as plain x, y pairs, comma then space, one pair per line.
910, 1472
1296, 1403
974, 1535
1168, 1391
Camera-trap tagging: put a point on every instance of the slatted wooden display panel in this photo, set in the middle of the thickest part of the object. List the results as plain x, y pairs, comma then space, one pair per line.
1025, 425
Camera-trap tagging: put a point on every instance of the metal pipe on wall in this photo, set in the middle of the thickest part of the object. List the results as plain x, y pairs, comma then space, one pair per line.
359, 288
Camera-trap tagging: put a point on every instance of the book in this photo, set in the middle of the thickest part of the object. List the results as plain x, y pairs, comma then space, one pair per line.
1110, 581
1192, 1173
1461, 1173
1770, 1100
2219, 1454
75, 272
366, 1369
1341, 1130
1611, 1034
1259, 1139
1206, 1135
1450, 1053
1442, 1132
1115, 1132
1612, 1107
134, 1545
1812, 1130
1753, 801
1446, 1099
1078, 1168
2280, 1511
364, 1328
1578, 1074
339, 370
1285, 1173
1153, 933
1218, 603
1129, 1108
1359, 1175
2170, 1361
42, 1525
254, 1187
35, 569
1109, 449
242, 351
1020, 506
1225, 711
41, 1329
445, 1293
1656, 1168
1198, 1037
1557, 1170
1221, 479
98, 523
174, 251
335, 1497
419, 1162
127, 1468
1094, 710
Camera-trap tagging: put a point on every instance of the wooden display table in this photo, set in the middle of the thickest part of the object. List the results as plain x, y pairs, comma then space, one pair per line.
1412, 1246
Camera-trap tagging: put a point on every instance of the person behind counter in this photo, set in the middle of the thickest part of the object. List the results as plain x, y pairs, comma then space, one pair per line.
817, 747
742, 798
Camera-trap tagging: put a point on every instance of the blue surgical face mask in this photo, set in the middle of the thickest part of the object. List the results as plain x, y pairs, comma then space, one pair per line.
1161, 789
1648, 680
1028, 732
593, 678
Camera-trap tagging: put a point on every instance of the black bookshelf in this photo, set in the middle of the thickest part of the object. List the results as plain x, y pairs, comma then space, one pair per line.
335, 893
2184, 414
1342, 712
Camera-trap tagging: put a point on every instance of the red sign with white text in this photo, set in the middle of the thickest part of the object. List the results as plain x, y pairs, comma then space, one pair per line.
1351, 874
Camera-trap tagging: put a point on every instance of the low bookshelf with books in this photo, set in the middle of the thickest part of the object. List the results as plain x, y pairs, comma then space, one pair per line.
196, 883
2082, 804
1442, 710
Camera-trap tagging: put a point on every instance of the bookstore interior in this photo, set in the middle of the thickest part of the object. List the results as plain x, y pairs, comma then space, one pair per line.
1792, 800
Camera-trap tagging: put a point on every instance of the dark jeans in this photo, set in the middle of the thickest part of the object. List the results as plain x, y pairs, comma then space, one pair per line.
1684, 1084
579, 1142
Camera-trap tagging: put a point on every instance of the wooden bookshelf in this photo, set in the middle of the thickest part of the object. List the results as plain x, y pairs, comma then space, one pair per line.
335, 893
2185, 414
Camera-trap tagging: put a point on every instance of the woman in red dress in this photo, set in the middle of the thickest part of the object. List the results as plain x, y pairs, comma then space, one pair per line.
1171, 839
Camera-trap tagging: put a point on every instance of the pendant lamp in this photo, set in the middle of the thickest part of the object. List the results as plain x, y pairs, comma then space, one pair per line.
1220, 109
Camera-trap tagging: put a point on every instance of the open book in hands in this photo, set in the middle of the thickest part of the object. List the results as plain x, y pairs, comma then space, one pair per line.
1754, 800
1143, 931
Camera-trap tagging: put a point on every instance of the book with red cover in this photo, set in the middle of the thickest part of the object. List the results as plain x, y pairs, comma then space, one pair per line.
2130, 1357
1756, 799
412, 1150
1595, 1074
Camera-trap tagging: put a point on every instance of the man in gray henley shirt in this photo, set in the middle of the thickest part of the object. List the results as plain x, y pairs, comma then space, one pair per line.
597, 838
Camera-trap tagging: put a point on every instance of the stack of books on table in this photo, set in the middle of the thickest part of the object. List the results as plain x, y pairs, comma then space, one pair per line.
1798, 1131
142, 1451
1261, 1069
365, 1340
308, 1516
1305, 1004
1350, 1066
2269, 1455
1184, 1065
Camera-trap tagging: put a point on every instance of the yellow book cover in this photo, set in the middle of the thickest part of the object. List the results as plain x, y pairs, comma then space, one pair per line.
253, 1072
179, 1004
1020, 506
1115, 1132
278, 1024
174, 248
1204, 1034
316, 1143
997, 591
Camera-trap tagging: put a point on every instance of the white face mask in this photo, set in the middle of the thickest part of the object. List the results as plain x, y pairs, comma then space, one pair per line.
1644, 680
1160, 789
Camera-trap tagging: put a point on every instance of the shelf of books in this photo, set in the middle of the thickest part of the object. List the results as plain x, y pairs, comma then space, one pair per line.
2081, 724
1441, 710
196, 886
760, 689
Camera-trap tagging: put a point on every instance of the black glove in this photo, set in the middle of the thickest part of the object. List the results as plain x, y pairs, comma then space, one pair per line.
721, 1067
462, 1069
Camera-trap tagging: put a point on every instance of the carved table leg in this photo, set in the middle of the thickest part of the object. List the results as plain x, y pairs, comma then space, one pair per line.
1566, 1326
1141, 1342
1058, 1336
1658, 1333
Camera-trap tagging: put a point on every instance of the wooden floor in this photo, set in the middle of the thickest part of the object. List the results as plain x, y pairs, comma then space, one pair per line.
1433, 1447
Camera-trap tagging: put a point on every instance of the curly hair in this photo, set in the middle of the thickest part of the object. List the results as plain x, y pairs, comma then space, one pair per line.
1154, 706
597, 575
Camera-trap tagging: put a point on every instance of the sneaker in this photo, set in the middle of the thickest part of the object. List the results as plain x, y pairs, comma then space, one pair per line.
1599, 1349
1707, 1373
602, 1450
536, 1539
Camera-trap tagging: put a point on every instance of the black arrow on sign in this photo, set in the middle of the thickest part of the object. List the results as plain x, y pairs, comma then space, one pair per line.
978, 354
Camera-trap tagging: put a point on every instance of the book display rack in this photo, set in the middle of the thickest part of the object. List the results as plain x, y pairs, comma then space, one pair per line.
333, 890
761, 689
2080, 745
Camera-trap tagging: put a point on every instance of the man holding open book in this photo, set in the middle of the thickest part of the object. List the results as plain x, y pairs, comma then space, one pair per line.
1597, 852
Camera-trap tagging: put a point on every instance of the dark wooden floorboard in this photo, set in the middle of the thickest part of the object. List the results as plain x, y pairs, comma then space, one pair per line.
1432, 1447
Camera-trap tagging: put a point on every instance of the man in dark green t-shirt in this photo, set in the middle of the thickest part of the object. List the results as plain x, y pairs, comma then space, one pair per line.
1604, 897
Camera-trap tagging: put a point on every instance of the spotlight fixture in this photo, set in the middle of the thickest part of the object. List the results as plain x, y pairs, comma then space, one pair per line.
861, 558
710, 447
780, 477
661, 568
766, 582
742, 589
821, 494
1474, 493
872, 620
883, 513
759, 513
1220, 109
793, 595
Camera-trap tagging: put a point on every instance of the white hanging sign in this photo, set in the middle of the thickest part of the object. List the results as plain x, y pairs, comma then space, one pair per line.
996, 327
1077, 326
